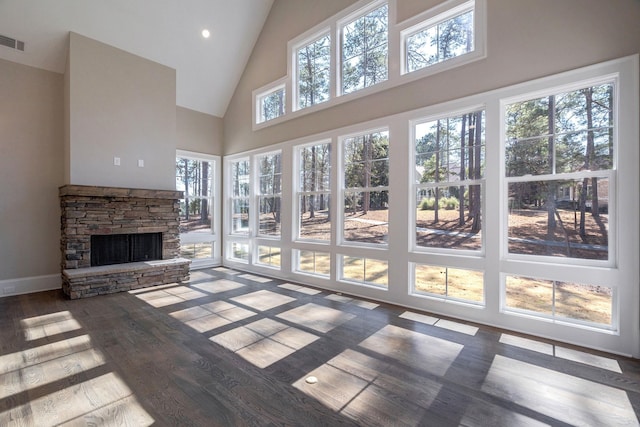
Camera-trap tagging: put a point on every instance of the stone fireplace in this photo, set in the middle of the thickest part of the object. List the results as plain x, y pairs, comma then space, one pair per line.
138, 238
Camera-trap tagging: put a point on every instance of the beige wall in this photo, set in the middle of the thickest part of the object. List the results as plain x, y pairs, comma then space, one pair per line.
31, 169
198, 132
526, 40
120, 105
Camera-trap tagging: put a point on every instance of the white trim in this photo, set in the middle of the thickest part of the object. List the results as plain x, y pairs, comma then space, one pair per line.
29, 285
623, 277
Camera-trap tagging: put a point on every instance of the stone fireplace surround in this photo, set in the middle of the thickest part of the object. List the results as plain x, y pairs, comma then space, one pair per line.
91, 210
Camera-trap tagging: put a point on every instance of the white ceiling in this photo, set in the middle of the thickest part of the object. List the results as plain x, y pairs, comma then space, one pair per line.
164, 31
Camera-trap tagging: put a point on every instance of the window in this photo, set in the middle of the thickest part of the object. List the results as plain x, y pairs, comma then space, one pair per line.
366, 188
269, 196
365, 271
440, 38
314, 192
239, 197
313, 65
560, 300
449, 158
313, 262
239, 252
559, 167
449, 283
271, 105
365, 50
196, 178
269, 256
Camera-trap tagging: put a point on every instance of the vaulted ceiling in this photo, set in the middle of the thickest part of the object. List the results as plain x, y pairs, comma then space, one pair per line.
165, 31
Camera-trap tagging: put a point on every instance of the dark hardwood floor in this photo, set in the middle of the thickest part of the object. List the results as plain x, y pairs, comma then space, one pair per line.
237, 349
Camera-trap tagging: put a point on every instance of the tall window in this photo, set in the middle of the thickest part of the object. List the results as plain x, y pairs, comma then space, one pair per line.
195, 178
365, 50
313, 64
443, 37
366, 188
559, 164
314, 192
269, 197
271, 104
449, 159
240, 197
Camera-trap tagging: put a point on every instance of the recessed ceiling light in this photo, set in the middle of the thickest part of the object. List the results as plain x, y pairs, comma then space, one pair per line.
206, 33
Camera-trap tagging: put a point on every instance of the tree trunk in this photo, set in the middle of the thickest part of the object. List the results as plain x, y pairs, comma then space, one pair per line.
477, 148
312, 197
204, 209
462, 167
551, 197
186, 189
366, 197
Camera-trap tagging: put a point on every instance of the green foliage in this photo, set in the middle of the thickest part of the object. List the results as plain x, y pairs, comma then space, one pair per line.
446, 203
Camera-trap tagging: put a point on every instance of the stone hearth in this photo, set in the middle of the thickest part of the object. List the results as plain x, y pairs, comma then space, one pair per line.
90, 210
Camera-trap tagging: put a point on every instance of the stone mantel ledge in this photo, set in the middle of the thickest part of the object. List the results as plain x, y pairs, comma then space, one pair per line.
96, 191
103, 270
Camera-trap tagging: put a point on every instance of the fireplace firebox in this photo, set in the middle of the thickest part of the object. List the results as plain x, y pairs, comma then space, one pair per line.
108, 249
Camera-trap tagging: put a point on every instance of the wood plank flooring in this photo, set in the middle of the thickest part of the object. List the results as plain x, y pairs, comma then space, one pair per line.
235, 349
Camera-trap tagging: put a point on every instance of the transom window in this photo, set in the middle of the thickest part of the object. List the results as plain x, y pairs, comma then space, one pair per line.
272, 104
365, 50
313, 66
441, 38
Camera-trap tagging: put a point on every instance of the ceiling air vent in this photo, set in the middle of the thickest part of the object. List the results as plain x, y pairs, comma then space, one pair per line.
11, 43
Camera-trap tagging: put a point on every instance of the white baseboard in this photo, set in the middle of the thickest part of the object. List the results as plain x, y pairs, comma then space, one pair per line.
28, 285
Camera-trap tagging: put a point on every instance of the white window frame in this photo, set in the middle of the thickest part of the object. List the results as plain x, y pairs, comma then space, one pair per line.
297, 193
261, 93
339, 202
413, 186
435, 16
216, 214
294, 48
346, 20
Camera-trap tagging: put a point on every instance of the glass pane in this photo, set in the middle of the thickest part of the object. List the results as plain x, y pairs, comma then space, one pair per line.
430, 279
366, 160
201, 250
567, 218
364, 50
272, 105
584, 302
314, 62
269, 255
584, 150
315, 168
450, 149
240, 251
465, 284
306, 261
353, 268
270, 214
449, 217
323, 263
448, 39
529, 294
315, 218
376, 272
366, 217
240, 216
240, 178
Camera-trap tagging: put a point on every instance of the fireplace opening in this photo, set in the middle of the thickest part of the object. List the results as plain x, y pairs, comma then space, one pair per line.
110, 249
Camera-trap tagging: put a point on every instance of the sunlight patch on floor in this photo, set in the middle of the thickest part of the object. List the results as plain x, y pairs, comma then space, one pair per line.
263, 300
217, 286
299, 288
104, 400
562, 352
563, 397
355, 301
169, 296
48, 325
432, 354
264, 342
256, 279
207, 317
362, 388
316, 317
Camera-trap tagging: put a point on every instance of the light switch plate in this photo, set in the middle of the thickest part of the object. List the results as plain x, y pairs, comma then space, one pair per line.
140, 163
116, 161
